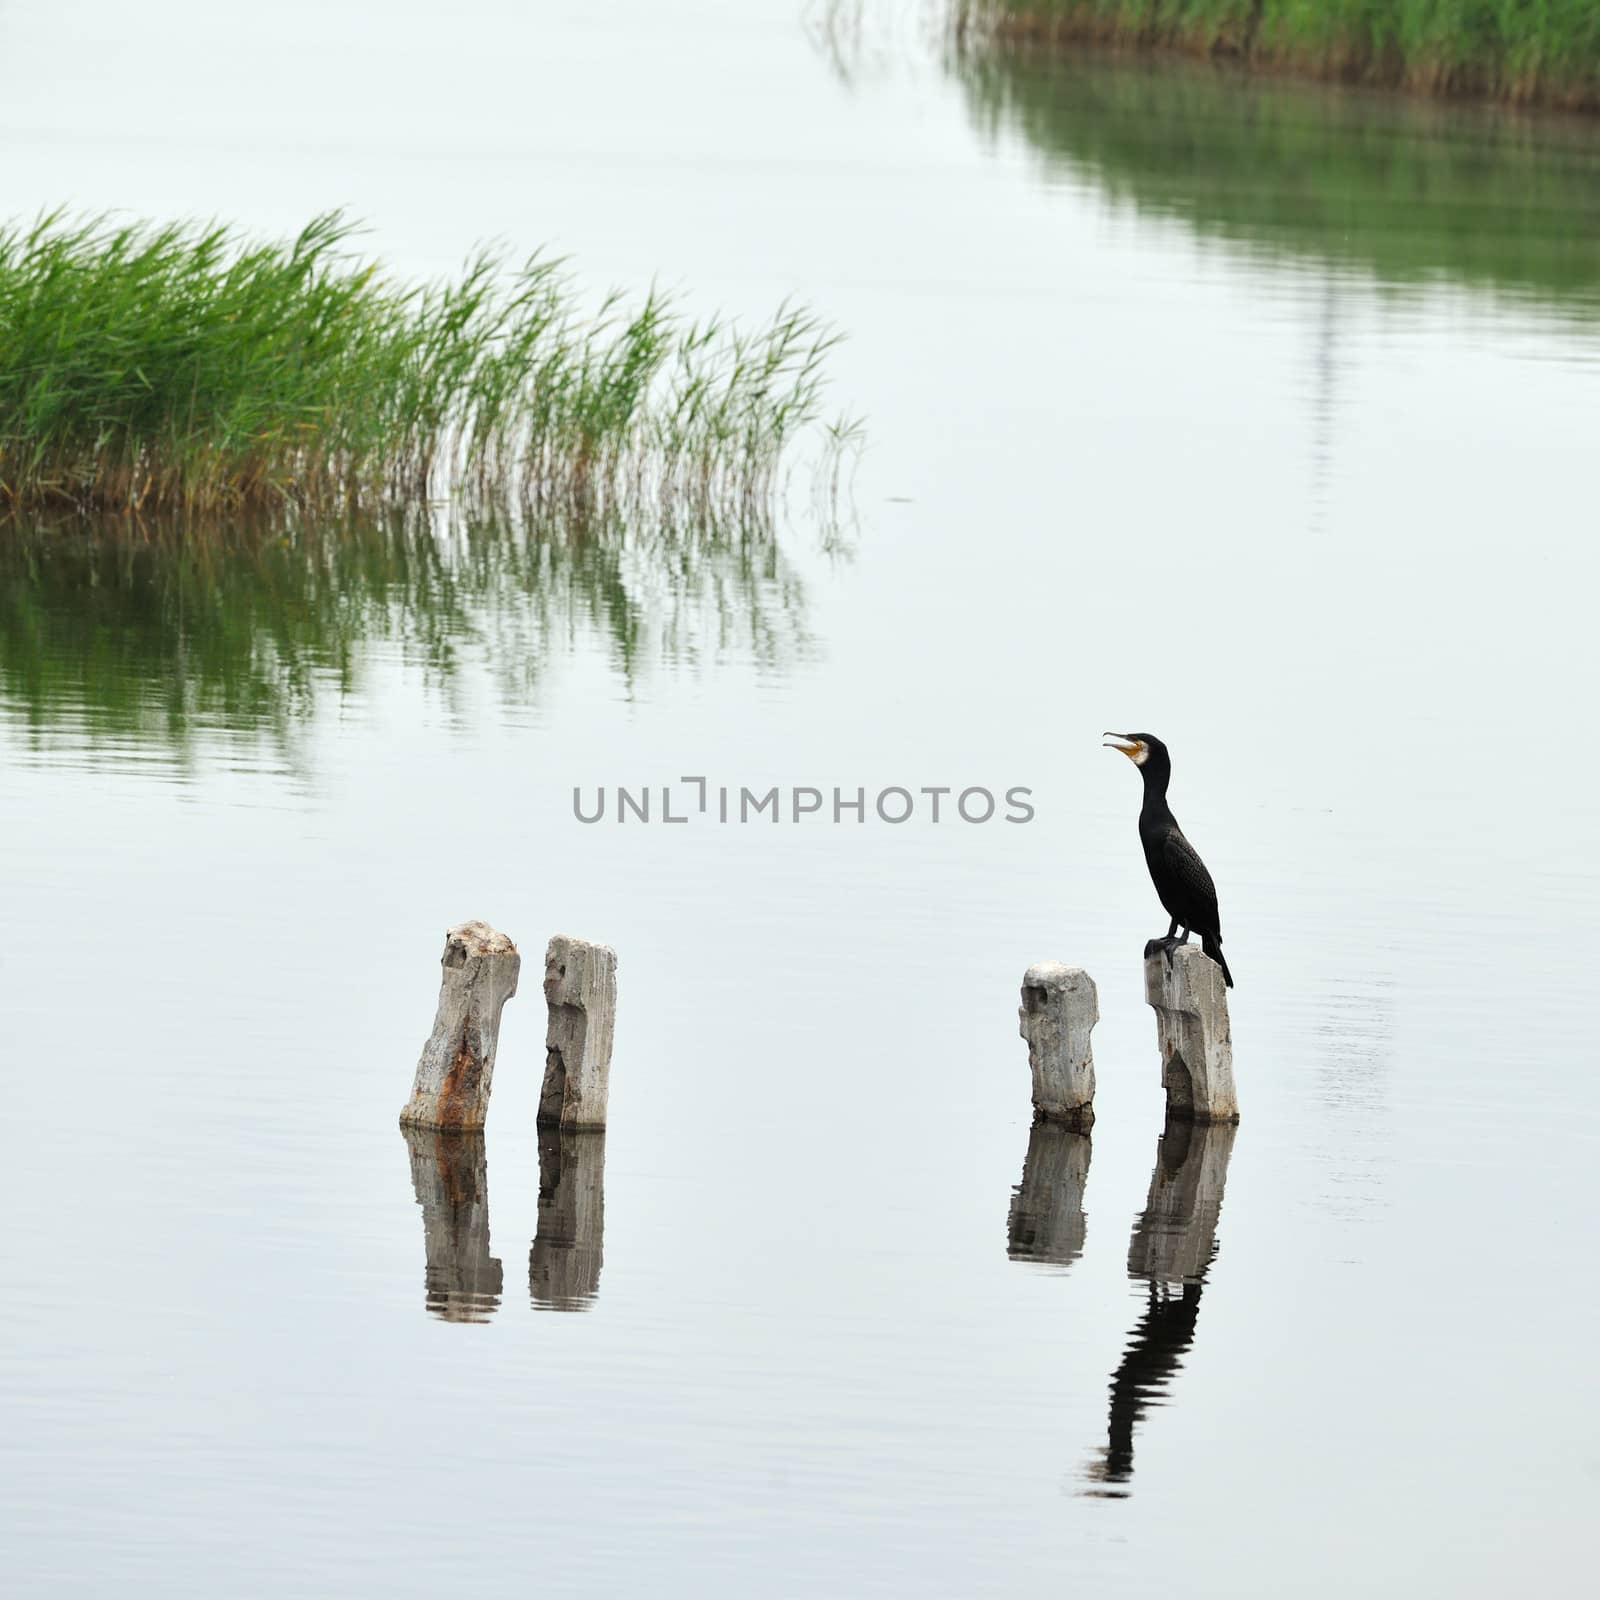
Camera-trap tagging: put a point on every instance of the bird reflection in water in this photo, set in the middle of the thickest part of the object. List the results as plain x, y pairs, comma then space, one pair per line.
568, 1245
450, 1175
1047, 1224
1173, 1245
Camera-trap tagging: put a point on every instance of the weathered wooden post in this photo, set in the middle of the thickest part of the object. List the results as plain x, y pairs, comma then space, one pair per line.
1059, 1010
580, 989
456, 1069
451, 1178
1046, 1222
1185, 987
569, 1241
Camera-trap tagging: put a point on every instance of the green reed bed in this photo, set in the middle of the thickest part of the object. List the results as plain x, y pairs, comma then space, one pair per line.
148, 366
1533, 51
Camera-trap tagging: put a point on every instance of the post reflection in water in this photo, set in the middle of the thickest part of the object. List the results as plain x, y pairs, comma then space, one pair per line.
1173, 1245
568, 1245
451, 1177
1047, 1223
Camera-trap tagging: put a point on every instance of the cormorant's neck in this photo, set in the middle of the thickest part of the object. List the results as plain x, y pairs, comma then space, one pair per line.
1157, 773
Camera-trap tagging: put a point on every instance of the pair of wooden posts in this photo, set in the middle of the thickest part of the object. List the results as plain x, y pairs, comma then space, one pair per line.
1060, 1007
456, 1069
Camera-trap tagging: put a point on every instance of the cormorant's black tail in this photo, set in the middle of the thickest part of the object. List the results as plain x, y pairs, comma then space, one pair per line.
1213, 948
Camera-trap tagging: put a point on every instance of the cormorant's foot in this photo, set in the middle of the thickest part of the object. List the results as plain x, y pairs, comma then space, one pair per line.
1161, 947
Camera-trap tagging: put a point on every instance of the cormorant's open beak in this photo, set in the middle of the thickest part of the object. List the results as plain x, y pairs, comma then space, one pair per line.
1119, 741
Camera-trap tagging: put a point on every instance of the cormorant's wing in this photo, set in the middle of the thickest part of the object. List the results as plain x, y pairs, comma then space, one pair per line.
1189, 876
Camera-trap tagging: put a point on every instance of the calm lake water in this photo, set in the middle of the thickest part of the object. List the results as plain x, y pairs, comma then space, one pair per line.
1263, 418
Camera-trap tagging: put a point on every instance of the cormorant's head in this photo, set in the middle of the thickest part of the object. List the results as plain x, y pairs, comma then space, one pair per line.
1138, 747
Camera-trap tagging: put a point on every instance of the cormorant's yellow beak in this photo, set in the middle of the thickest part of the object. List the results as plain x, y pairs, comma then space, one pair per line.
1129, 747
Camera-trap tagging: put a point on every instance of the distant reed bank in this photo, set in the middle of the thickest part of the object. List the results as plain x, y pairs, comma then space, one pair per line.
1544, 52
151, 366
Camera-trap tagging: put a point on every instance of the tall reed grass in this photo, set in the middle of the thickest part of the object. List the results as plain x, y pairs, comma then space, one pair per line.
1526, 51
181, 365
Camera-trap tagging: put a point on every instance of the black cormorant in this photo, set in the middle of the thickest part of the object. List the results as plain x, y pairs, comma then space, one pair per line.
1180, 876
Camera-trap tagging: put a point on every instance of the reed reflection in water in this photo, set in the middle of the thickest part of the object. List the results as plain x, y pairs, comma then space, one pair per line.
1409, 192
1174, 1243
121, 636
